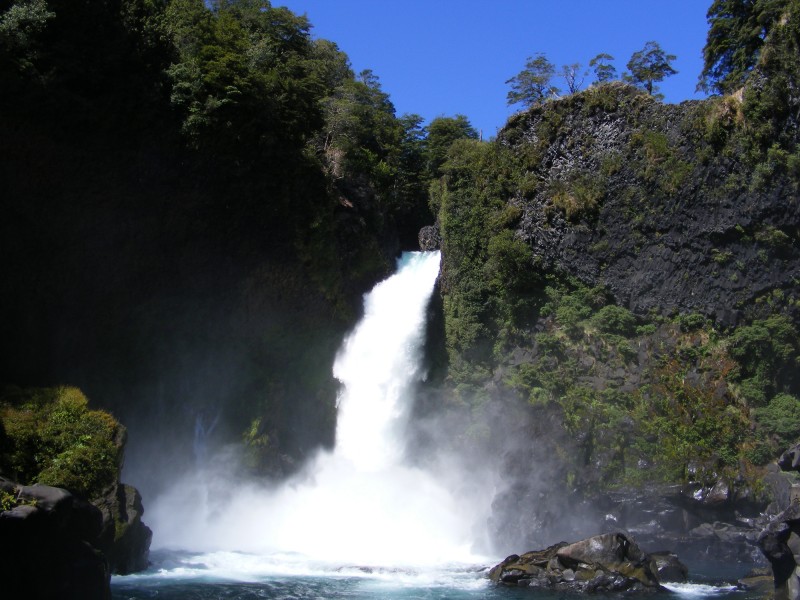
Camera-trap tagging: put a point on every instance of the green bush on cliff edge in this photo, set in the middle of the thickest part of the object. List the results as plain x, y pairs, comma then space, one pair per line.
50, 436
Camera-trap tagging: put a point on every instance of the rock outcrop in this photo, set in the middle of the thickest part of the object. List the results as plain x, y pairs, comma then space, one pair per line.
627, 202
430, 238
47, 548
780, 543
611, 562
55, 544
790, 459
780, 539
124, 538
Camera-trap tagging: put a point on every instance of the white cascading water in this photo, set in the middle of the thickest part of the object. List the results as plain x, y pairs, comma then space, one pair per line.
360, 504
379, 362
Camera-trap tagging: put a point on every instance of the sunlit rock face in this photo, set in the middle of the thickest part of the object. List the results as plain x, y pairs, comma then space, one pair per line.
632, 196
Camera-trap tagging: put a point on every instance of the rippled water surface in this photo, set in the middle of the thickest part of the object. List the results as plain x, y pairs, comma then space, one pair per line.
240, 576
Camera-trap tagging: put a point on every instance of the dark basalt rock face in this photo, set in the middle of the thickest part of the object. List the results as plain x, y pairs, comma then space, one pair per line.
611, 562
664, 224
58, 545
430, 238
124, 539
790, 459
47, 546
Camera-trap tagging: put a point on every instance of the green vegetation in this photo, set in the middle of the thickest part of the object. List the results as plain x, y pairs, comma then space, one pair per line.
751, 54
737, 30
198, 183
220, 138
603, 68
675, 425
51, 436
614, 319
649, 66
579, 197
532, 85
665, 396
781, 419
767, 351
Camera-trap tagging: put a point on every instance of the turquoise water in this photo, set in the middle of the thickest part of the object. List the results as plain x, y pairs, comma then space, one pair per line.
183, 576
240, 576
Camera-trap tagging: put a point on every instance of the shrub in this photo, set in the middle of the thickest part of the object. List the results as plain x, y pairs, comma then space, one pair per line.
781, 418
753, 390
52, 437
646, 329
614, 319
767, 349
691, 322
773, 237
579, 198
760, 454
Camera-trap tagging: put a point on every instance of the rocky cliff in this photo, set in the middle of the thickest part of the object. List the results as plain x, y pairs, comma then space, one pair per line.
635, 197
620, 301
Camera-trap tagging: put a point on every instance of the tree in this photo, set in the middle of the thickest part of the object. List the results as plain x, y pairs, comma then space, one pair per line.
603, 69
243, 80
21, 26
329, 65
408, 197
648, 66
737, 30
441, 133
573, 77
532, 85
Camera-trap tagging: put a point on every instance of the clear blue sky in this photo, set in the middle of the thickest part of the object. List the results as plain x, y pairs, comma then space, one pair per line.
445, 57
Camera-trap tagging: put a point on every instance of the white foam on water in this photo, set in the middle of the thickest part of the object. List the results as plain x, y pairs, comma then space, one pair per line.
699, 590
240, 567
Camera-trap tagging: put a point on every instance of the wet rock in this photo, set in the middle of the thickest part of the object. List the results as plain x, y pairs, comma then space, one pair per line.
124, 538
790, 460
429, 238
759, 581
669, 568
780, 543
602, 563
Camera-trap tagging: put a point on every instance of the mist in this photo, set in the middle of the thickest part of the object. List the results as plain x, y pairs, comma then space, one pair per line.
364, 502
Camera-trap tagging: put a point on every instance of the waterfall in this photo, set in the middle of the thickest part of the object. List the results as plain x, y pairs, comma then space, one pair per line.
379, 363
360, 504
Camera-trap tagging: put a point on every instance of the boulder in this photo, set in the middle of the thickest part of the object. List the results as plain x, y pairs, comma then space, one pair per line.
124, 538
790, 460
780, 543
603, 563
47, 547
669, 568
759, 582
429, 238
